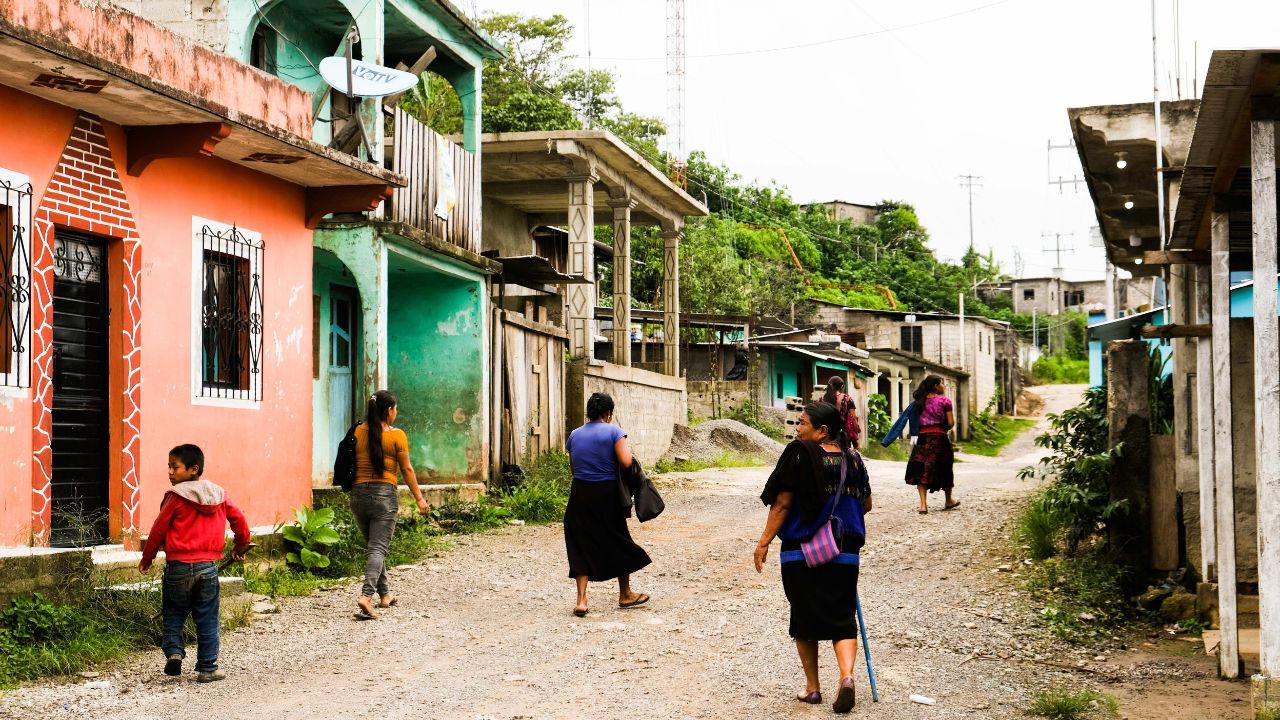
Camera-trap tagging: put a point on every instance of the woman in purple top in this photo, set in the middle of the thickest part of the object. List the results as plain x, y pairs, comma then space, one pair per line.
931, 465
595, 523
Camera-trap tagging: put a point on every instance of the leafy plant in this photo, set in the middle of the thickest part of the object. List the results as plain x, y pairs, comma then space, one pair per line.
878, 420
537, 501
311, 537
1159, 391
33, 619
1079, 465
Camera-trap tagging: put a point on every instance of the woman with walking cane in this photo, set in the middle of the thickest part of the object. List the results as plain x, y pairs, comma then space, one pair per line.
817, 496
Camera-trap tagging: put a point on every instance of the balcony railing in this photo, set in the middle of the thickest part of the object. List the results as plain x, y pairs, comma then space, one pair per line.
443, 195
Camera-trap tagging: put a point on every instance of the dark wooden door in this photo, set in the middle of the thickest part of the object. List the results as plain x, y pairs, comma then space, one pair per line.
80, 405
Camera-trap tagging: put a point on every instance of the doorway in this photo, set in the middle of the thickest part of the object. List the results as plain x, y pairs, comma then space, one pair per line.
342, 354
80, 392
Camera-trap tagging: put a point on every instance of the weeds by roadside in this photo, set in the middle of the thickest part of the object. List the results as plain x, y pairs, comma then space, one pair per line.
725, 460
1080, 598
749, 414
895, 452
1063, 704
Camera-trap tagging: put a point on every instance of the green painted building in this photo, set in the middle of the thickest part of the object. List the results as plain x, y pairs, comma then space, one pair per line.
400, 292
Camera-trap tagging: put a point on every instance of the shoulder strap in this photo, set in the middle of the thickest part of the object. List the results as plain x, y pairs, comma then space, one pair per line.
835, 499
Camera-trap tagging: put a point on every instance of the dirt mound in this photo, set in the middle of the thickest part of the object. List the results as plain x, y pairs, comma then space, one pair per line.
708, 441
1029, 404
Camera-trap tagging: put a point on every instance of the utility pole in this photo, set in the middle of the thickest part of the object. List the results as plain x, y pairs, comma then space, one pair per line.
1074, 181
1057, 249
675, 91
968, 181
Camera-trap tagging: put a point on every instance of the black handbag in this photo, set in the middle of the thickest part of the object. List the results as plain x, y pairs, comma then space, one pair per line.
344, 461
649, 503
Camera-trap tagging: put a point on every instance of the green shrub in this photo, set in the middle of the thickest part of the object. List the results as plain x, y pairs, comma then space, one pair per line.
878, 420
310, 537
1038, 527
466, 516
1059, 370
537, 501
1060, 704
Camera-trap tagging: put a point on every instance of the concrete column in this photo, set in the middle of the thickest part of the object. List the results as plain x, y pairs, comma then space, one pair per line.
1129, 418
580, 296
622, 205
895, 397
1266, 369
1205, 413
1223, 450
671, 236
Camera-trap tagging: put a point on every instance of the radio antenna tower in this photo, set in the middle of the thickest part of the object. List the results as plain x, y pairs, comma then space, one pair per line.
675, 90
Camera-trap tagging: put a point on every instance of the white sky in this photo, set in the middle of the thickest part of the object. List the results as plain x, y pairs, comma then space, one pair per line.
899, 114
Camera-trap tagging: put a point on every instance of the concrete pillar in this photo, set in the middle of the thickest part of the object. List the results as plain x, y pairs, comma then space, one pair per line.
580, 296
1266, 369
895, 397
1183, 478
1205, 424
671, 236
1129, 418
1223, 450
622, 205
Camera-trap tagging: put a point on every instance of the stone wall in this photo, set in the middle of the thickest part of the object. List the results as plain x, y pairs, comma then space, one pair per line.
648, 404
50, 572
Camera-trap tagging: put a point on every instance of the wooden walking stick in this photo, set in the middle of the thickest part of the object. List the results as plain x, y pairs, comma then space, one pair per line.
866, 650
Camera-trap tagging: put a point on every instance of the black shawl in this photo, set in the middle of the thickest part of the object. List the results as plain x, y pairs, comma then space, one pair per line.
799, 471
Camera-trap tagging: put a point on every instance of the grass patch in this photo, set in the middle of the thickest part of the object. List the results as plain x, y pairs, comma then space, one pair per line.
725, 460
1081, 597
990, 438
1059, 370
542, 495
1061, 704
1037, 528
895, 452
749, 414
283, 581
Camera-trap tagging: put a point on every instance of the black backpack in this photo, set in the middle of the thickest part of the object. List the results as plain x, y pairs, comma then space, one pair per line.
344, 464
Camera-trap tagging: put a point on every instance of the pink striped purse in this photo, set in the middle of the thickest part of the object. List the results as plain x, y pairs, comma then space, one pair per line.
824, 546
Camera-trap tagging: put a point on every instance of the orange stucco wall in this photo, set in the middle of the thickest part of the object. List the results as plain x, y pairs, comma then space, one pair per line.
260, 455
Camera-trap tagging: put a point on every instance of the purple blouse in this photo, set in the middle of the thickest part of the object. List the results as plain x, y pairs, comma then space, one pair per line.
935, 411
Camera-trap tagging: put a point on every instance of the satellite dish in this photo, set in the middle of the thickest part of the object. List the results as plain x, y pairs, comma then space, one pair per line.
367, 80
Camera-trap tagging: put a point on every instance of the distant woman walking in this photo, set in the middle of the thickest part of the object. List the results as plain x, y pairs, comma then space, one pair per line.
375, 496
595, 522
932, 459
835, 396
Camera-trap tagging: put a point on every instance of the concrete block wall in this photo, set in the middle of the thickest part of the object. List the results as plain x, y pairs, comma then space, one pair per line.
204, 21
50, 572
648, 404
717, 398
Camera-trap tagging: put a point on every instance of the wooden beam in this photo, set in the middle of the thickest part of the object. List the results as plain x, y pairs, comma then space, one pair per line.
1175, 257
1223, 456
153, 142
1266, 357
418, 68
1177, 331
519, 320
346, 198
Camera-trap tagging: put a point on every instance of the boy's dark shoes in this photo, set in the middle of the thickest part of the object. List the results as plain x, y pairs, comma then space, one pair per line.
214, 676
173, 665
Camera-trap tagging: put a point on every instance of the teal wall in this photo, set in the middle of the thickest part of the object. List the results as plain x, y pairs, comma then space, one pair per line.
328, 272
435, 364
790, 368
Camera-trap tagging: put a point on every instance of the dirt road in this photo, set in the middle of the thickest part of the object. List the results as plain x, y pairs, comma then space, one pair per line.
485, 631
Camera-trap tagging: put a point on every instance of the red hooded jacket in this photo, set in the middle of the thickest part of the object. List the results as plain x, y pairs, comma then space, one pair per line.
192, 524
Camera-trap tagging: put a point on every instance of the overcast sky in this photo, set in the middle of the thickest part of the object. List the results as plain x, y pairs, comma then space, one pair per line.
931, 90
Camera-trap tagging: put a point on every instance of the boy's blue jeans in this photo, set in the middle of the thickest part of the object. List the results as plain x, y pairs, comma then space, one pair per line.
191, 589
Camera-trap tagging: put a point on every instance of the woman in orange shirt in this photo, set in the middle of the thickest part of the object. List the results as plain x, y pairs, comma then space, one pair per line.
375, 497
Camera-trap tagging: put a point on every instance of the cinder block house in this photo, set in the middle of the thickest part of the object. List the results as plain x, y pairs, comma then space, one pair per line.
155, 271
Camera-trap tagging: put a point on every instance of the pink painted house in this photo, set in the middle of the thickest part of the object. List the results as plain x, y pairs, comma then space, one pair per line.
156, 206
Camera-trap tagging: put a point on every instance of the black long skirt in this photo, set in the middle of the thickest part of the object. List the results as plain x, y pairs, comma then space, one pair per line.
932, 462
824, 599
596, 537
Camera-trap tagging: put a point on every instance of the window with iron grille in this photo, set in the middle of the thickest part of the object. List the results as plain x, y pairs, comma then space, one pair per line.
230, 314
913, 339
15, 280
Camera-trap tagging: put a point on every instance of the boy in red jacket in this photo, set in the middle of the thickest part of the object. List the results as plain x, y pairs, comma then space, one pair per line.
192, 529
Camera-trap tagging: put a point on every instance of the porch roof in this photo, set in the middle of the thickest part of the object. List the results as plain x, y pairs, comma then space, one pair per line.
184, 98
527, 170
909, 359
1217, 175
1107, 134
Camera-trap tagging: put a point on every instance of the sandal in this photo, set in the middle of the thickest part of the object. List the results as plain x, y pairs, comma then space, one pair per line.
641, 599
366, 610
845, 699
385, 603
813, 698
581, 613
952, 505
923, 512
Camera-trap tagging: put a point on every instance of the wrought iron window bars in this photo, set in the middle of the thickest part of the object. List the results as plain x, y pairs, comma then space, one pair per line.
231, 318
15, 284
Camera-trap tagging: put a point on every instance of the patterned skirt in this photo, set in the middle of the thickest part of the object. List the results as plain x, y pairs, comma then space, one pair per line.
932, 462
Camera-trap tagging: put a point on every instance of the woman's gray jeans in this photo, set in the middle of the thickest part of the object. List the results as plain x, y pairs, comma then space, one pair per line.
375, 505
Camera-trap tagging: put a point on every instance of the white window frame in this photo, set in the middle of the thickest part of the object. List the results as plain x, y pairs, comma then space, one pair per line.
11, 383
198, 247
